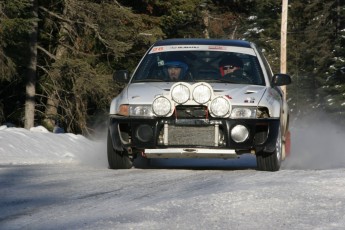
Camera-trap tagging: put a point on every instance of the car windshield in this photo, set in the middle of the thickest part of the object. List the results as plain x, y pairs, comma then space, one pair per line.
164, 64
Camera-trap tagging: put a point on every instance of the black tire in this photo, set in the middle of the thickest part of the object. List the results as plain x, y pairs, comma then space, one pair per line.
117, 159
270, 161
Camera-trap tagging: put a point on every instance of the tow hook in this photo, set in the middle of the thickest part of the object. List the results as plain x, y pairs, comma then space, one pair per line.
143, 154
129, 150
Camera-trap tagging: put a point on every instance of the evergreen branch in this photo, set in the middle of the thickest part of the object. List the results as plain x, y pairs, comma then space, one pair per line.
117, 3
93, 27
55, 14
44, 69
80, 52
52, 56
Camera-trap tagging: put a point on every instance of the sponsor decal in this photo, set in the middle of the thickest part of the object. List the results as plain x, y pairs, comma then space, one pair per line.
184, 47
217, 47
269, 99
272, 96
160, 63
157, 49
249, 100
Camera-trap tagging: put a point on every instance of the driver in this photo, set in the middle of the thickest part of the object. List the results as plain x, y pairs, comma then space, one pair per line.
176, 70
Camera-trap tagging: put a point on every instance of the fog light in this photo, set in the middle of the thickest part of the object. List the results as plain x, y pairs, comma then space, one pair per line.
239, 133
144, 133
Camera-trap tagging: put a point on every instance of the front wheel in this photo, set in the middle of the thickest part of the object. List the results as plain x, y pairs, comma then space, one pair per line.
270, 161
117, 159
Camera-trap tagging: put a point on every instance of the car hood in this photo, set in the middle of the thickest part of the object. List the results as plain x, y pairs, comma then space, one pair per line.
144, 93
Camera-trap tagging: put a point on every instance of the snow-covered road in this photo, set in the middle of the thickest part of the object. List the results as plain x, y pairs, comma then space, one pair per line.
68, 196
61, 181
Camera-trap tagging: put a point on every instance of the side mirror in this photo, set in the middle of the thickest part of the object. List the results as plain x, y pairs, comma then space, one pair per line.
281, 79
121, 76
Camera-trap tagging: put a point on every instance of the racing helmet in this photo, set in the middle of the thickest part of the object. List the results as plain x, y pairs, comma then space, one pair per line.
230, 60
178, 64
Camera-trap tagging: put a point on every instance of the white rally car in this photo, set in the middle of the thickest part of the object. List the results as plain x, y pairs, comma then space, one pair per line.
200, 98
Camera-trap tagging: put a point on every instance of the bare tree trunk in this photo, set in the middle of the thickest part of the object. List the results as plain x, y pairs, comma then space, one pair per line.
51, 111
31, 73
206, 20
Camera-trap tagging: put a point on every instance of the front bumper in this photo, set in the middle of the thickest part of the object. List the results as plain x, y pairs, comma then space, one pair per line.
190, 153
189, 138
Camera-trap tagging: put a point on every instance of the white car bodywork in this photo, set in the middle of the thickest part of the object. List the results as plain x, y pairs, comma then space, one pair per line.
248, 116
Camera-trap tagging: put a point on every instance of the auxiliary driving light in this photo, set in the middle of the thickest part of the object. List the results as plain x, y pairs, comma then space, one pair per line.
220, 107
180, 93
161, 106
202, 93
239, 133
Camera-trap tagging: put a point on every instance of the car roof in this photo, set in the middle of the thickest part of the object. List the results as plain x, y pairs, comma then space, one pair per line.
203, 41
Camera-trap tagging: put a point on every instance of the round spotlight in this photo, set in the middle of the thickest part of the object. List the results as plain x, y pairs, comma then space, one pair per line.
220, 107
180, 93
161, 106
239, 133
202, 93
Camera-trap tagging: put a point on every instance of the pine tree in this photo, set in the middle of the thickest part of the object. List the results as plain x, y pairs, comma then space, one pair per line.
80, 45
90, 40
82, 42
332, 79
18, 25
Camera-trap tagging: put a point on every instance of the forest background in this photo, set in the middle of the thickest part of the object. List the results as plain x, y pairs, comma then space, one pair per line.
57, 57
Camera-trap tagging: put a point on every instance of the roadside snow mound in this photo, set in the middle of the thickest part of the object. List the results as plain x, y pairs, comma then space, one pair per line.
39, 146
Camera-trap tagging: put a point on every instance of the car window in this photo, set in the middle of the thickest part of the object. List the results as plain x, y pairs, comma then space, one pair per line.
199, 65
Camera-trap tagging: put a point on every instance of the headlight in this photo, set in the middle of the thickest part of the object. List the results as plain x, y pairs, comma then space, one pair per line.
180, 93
140, 110
202, 93
220, 107
161, 106
243, 112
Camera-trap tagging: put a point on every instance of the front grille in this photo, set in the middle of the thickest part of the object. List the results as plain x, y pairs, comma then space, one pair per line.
191, 112
191, 135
